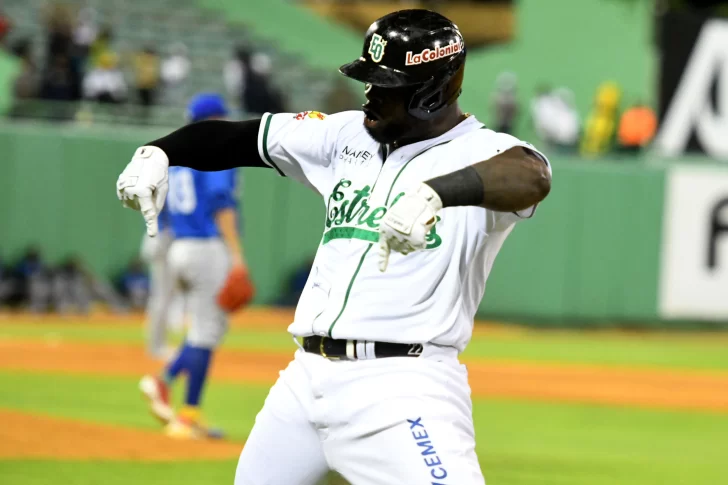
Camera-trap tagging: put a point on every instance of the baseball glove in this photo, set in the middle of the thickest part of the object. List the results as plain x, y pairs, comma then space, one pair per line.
237, 292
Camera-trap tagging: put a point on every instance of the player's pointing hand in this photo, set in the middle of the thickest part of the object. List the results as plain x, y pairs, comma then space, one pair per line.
142, 185
405, 226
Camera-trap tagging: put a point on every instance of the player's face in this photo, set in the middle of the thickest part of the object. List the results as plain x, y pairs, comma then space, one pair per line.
387, 119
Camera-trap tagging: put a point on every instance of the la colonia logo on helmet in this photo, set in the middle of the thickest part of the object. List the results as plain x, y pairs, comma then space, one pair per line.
429, 55
376, 47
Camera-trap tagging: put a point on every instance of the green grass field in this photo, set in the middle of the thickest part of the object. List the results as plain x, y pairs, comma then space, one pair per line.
520, 442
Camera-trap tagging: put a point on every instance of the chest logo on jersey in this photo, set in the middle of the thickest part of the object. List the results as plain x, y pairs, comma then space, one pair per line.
354, 156
349, 216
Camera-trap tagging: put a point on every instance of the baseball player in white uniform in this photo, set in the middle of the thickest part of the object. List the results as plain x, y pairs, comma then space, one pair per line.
165, 306
419, 199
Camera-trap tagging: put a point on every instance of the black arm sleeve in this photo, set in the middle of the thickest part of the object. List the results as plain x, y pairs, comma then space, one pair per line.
460, 188
213, 145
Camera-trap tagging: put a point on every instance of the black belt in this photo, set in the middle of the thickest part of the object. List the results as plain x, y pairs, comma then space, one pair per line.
353, 349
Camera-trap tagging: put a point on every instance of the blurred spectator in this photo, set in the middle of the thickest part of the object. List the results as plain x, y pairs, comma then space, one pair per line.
75, 287
505, 103
71, 288
105, 83
637, 127
101, 45
63, 73
556, 119
341, 97
601, 124
5, 27
25, 85
84, 34
59, 25
259, 93
134, 284
7, 284
34, 280
103, 291
234, 73
86, 29
174, 71
146, 73
57, 79
30, 263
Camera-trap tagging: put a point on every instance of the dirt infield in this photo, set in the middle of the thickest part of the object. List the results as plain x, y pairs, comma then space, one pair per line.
583, 384
25, 436
29, 436
268, 318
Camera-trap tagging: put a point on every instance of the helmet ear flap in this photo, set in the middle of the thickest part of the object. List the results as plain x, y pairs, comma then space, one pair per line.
433, 101
425, 104
436, 93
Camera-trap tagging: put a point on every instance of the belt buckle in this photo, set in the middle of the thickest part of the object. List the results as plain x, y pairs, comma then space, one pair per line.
323, 352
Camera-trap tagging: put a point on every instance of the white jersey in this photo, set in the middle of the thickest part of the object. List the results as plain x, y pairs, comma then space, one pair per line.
428, 296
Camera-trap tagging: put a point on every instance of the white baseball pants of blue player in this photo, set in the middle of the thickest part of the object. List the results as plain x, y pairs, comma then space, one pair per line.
199, 267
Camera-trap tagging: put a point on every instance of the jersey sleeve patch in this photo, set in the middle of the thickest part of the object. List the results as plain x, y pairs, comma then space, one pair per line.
316, 115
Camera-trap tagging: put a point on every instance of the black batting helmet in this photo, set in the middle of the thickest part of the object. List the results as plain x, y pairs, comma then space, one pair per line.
417, 48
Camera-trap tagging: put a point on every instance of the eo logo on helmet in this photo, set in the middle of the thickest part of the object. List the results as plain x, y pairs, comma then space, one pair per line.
376, 47
429, 55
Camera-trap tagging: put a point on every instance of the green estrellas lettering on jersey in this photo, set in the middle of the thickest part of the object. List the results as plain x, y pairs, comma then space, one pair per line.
334, 212
350, 233
349, 215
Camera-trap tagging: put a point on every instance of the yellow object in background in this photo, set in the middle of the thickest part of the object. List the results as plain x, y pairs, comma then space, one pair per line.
146, 67
108, 60
601, 123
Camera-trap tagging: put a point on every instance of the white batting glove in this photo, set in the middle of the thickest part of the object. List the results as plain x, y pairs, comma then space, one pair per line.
405, 226
142, 185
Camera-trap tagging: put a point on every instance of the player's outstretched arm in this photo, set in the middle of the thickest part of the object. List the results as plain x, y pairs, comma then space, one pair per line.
213, 145
511, 181
207, 146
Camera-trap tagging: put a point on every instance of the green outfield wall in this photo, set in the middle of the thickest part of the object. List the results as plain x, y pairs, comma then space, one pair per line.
592, 252
9, 69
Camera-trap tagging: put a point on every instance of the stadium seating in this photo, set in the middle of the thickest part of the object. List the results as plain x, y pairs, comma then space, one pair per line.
208, 36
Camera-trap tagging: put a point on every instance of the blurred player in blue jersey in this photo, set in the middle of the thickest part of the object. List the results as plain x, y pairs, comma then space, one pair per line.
206, 261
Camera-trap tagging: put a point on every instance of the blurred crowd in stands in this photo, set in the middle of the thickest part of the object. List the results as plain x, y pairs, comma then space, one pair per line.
79, 62
611, 125
32, 284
